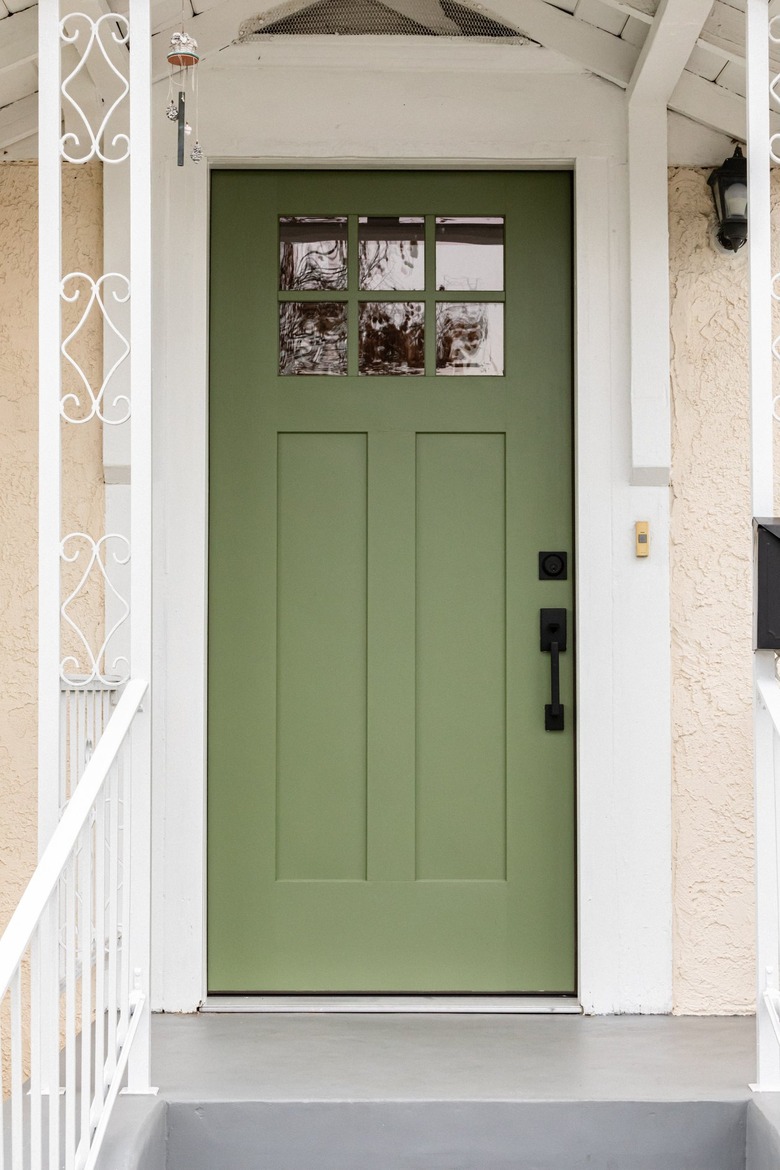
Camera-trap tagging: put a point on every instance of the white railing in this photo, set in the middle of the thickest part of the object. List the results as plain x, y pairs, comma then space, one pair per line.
85, 709
67, 1024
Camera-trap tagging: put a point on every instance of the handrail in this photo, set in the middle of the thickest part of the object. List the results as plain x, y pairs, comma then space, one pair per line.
43, 882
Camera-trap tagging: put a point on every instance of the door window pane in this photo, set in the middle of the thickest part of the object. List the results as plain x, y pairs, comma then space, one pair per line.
312, 253
469, 338
313, 337
392, 338
470, 253
392, 252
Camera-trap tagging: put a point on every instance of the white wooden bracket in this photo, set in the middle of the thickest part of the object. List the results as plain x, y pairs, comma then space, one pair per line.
669, 44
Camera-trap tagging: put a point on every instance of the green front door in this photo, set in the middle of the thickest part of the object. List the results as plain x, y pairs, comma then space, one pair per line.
390, 414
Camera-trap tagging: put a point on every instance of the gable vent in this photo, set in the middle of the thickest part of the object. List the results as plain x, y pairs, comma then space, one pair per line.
408, 18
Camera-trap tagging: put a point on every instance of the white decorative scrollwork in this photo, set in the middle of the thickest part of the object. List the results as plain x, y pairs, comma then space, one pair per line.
96, 665
97, 296
93, 31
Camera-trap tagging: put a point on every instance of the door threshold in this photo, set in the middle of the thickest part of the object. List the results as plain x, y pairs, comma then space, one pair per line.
526, 1005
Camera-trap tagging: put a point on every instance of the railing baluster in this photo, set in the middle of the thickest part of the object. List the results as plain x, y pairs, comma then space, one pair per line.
100, 947
35, 1053
113, 926
85, 948
70, 1014
64, 745
123, 803
51, 1039
81, 738
17, 1076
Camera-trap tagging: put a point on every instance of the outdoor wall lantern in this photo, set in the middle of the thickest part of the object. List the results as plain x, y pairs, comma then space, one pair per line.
730, 193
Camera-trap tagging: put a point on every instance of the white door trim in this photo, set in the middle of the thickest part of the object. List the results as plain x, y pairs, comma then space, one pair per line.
624, 740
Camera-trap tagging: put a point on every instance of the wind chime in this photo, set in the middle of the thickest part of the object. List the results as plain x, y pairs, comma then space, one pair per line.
182, 61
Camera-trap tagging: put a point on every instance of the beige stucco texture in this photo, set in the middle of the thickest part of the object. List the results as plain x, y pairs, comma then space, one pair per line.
711, 613
82, 478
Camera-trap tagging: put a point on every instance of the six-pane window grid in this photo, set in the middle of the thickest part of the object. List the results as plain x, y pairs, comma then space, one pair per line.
332, 322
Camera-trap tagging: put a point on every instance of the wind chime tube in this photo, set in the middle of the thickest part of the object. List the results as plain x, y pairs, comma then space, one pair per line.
182, 129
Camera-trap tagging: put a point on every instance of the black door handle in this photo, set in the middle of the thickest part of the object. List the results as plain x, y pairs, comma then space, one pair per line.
552, 630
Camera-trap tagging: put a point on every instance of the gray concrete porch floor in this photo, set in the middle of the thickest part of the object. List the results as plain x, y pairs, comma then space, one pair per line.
299, 1057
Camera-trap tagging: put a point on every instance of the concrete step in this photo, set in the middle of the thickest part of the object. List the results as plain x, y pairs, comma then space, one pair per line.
149, 1134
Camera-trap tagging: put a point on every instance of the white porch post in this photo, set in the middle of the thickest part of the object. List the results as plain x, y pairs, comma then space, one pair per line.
49, 460
762, 502
141, 520
94, 46
45, 991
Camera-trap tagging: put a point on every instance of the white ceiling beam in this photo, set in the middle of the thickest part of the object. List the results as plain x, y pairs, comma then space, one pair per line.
670, 42
644, 10
602, 53
724, 31
19, 38
712, 106
726, 27
693, 97
19, 120
214, 29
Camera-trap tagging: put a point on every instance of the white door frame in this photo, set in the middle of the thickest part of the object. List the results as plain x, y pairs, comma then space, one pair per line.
537, 114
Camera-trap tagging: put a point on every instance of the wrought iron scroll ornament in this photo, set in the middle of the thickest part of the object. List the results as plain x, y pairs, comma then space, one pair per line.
96, 666
96, 404
95, 32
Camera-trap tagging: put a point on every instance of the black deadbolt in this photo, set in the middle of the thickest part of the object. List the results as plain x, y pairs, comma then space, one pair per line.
552, 566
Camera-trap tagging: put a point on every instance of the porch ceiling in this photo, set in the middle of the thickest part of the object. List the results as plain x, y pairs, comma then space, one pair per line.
604, 36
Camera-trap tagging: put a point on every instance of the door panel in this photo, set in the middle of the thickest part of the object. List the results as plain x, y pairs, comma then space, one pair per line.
321, 637
386, 812
461, 638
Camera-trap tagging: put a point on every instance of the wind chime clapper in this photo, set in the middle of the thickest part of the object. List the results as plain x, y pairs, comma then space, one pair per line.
183, 59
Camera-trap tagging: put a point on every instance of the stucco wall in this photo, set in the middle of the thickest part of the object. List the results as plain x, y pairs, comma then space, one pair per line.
83, 502
711, 613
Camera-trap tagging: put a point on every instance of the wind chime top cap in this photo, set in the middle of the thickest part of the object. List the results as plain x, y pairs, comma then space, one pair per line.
183, 50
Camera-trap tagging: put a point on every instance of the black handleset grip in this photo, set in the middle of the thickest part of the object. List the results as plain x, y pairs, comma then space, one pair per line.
552, 639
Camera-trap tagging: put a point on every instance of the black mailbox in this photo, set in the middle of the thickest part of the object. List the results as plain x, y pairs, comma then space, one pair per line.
766, 584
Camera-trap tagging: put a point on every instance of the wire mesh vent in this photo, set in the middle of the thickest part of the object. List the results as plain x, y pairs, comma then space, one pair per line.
410, 18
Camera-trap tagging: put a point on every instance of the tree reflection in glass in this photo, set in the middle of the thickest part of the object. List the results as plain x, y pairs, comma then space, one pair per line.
313, 337
391, 252
470, 338
312, 253
392, 338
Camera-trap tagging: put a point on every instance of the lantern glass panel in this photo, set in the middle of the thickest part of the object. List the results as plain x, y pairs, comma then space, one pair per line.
735, 198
